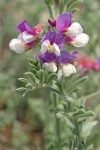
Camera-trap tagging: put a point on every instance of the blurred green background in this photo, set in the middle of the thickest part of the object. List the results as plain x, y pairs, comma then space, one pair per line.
23, 119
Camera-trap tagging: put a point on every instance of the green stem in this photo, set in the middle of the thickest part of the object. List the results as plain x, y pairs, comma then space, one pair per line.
58, 132
92, 95
57, 125
78, 131
65, 96
51, 10
61, 8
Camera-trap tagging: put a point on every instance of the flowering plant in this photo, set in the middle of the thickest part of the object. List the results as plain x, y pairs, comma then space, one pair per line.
87, 63
50, 69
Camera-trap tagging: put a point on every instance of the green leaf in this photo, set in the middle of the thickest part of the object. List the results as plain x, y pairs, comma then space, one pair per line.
73, 4
32, 61
45, 75
77, 82
21, 89
59, 85
33, 70
51, 77
29, 85
89, 113
49, 1
32, 76
54, 90
32, 65
87, 128
69, 123
26, 92
70, 99
60, 114
41, 76
79, 112
81, 80
23, 80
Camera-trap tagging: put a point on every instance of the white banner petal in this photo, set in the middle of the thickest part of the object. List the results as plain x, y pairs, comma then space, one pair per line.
75, 29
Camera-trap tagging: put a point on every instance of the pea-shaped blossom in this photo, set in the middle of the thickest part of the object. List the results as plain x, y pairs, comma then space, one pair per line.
50, 62
73, 31
52, 42
27, 39
88, 63
64, 63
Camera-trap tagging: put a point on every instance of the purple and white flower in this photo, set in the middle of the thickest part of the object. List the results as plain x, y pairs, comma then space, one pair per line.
64, 63
52, 42
50, 62
73, 31
27, 39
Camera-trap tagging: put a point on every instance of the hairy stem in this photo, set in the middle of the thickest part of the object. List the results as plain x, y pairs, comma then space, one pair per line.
92, 95
51, 10
57, 125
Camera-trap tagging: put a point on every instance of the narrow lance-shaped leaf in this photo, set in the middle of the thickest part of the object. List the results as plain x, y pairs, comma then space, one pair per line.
23, 80
21, 89
51, 77
87, 128
32, 76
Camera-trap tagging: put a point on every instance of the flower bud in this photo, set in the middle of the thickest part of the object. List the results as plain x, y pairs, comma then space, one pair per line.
52, 22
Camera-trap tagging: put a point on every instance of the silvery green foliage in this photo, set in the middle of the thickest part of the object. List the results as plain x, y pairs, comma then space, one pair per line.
69, 110
63, 5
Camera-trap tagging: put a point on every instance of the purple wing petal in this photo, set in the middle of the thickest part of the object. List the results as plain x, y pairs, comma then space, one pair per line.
49, 36
65, 57
63, 22
59, 39
47, 57
54, 37
23, 26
